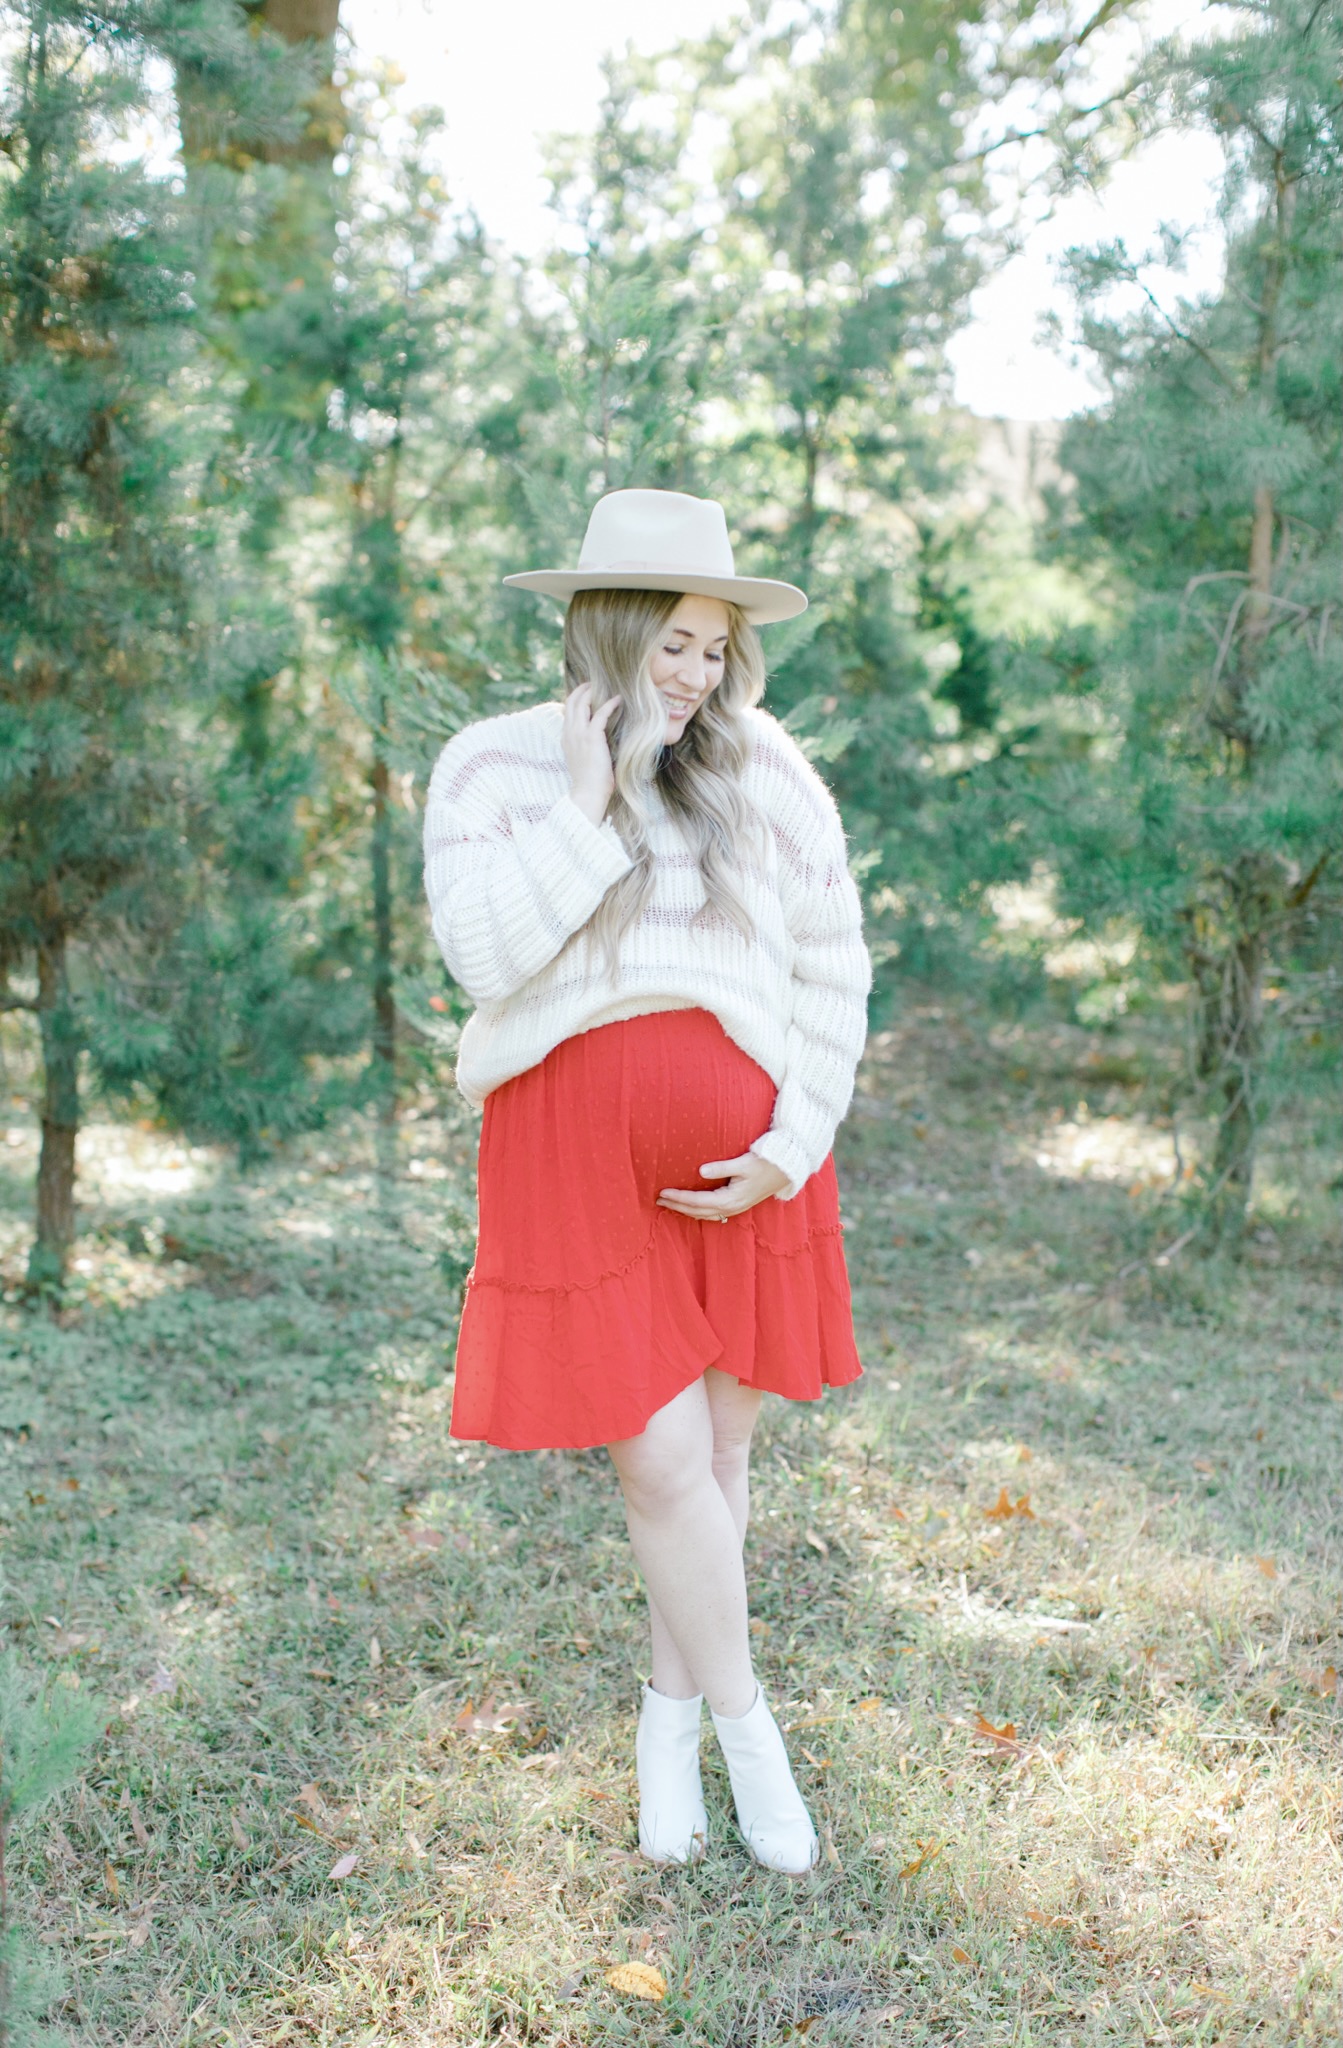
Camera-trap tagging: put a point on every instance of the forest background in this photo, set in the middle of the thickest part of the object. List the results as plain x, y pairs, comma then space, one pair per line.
276, 416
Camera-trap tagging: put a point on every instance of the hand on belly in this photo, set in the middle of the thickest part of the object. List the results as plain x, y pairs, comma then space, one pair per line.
749, 1180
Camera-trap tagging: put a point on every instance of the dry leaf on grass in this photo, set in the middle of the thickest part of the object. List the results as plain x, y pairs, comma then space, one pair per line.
1267, 1567
374, 1652
638, 1980
927, 1851
1323, 1682
489, 1719
343, 1865
113, 1883
1003, 1742
958, 1955
426, 1539
816, 1543
138, 1828
235, 1828
1004, 1508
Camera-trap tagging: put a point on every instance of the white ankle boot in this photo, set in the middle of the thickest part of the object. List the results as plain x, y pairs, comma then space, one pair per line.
770, 1812
673, 1826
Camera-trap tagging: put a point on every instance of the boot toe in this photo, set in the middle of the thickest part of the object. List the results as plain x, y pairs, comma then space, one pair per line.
792, 1852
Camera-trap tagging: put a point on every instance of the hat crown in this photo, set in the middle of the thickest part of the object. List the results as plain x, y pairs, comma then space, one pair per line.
660, 531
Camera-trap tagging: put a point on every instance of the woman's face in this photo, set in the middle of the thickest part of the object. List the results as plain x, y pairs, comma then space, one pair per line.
688, 664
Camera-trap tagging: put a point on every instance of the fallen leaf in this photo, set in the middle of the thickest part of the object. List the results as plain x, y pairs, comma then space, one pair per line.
1204, 1465
489, 1719
138, 1828
140, 1927
817, 1543
958, 1955
927, 1851
638, 1980
1005, 1507
1003, 1741
374, 1652
1049, 1919
1324, 1682
302, 1820
235, 1828
1208, 1991
899, 1515
1267, 1567
321, 1674
869, 1706
162, 1680
70, 1485
1024, 1454
310, 1796
113, 1884
425, 1538
343, 1865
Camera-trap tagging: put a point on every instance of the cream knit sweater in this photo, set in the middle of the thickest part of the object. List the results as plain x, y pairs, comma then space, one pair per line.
513, 871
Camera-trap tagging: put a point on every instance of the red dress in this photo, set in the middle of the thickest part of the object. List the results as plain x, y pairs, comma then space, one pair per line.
589, 1307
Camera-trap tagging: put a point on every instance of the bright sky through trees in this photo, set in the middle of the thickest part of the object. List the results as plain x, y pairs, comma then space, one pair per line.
509, 74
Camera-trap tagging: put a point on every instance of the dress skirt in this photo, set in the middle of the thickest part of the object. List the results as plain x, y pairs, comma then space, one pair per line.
589, 1307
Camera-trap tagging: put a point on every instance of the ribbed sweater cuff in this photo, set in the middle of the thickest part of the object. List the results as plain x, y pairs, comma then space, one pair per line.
585, 860
785, 1153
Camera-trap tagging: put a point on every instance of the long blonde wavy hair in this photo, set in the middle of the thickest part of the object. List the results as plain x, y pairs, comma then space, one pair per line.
610, 638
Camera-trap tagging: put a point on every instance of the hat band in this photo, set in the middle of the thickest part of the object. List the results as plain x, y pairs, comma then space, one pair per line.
629, 564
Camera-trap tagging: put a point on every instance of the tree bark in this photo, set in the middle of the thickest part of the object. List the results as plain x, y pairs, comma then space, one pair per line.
58, 1023
384, 1007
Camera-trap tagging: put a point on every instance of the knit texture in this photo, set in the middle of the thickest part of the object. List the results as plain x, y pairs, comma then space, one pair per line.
513, 871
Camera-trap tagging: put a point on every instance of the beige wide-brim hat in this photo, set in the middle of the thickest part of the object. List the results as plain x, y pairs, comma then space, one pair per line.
664, 540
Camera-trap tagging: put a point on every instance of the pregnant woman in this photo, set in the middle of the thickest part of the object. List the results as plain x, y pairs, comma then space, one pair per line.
645, 893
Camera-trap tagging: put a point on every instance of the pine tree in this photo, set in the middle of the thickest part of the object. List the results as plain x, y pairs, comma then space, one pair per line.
104, 446
1208, 492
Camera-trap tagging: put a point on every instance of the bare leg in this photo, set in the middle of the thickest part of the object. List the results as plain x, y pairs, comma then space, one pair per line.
688, 1547
733, 1409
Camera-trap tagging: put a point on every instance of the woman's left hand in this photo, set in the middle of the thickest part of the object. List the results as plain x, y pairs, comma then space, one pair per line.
749, 1180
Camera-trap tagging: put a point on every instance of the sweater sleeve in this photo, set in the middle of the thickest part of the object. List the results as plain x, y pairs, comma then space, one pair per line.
504, 896
831, 969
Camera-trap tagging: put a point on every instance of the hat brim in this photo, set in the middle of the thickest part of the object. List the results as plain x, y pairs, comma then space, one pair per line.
762, 599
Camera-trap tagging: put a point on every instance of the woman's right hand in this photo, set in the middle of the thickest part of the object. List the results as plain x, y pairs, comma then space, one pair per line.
587, 751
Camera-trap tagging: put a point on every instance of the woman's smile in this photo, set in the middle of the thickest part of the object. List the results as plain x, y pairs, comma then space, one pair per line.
688, 667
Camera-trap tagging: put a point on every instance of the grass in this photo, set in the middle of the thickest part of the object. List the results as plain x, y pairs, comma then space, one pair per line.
1075, 1764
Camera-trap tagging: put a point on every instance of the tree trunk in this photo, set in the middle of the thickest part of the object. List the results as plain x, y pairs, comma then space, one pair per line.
1237, 1131
384, 1008
60, 1120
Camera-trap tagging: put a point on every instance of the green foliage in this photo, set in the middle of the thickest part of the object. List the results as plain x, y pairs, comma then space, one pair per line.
45, 1731
1208, 496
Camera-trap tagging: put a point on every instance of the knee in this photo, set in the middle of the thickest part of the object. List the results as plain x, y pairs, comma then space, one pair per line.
657, 1487
731, 1454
